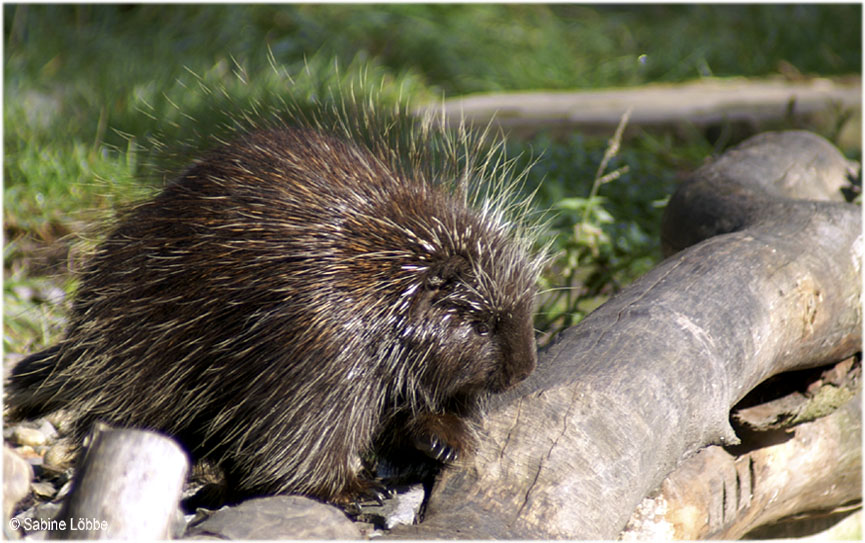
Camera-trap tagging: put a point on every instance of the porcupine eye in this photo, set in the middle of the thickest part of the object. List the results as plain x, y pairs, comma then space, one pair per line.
482, 328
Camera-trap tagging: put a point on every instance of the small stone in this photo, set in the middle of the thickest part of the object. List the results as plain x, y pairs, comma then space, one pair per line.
28, 453
407, 506
60, 456
44, 490
64, 490
62, 421
28, 436
403, 508
48, 429
35, 462
17, 475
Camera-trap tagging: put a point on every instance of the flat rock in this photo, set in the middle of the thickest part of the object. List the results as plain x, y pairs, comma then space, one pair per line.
277, 517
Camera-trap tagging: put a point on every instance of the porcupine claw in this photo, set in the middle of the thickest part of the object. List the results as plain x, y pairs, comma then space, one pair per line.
375, 491
437, 449
367, 492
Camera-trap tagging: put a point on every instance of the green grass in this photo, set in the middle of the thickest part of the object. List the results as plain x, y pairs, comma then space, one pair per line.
102, 102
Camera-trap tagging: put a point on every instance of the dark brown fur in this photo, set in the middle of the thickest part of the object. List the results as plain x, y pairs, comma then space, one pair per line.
283, 302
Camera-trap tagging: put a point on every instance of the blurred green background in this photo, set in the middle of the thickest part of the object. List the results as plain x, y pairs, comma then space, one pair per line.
99, 99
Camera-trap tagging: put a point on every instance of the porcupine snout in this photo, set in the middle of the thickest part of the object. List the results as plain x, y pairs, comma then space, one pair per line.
518, 349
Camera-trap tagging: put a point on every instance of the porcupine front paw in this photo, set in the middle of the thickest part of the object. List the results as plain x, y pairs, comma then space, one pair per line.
362, 491
442, 437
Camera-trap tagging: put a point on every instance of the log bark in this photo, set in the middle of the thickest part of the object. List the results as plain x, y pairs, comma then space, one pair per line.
127, 487
649, 378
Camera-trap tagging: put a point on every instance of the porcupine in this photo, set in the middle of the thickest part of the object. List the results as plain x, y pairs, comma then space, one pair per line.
297, 298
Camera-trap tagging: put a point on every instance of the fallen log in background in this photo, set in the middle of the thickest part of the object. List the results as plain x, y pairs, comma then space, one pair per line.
649, 377
705, 103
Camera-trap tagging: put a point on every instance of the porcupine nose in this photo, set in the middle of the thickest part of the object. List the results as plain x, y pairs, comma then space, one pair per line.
524, 367
520, 351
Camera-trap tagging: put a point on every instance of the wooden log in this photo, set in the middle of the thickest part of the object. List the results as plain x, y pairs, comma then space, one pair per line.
649, 377
761, 182
17, 475
817, 467
702, 103
128, 486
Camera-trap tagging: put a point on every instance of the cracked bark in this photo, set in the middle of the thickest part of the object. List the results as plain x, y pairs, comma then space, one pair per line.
763, 282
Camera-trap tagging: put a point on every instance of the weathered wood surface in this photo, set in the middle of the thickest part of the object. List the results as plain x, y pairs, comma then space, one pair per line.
127, 486
817, 467
649, 377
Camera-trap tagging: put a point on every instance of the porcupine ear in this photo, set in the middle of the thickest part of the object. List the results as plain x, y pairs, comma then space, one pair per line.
439, 280
442, 275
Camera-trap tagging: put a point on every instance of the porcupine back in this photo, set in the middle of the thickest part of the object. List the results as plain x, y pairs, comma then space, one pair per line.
290, 296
